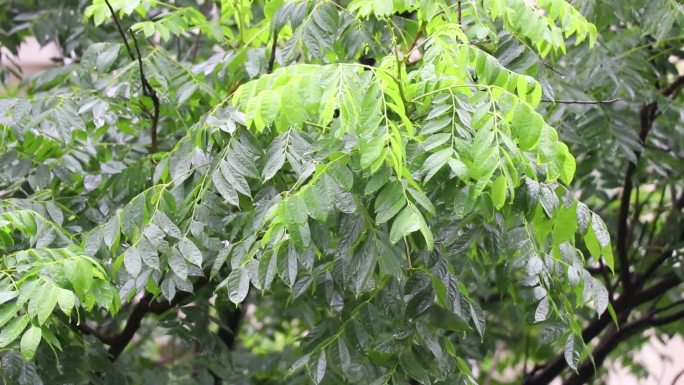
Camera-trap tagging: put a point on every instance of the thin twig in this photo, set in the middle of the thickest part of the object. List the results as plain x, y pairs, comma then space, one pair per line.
121, 30
151, 93
550, 67
414, 43
570, 101
460, 13
271, 60
146, 87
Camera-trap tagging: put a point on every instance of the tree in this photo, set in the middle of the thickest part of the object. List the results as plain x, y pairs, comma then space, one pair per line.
334, 192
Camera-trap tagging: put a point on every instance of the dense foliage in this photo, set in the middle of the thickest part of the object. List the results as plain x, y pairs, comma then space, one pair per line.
331, 192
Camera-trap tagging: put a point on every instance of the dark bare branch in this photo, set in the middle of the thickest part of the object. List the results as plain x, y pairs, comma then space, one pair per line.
149, 92
568, 101
623, 305
271, 59
121, 30
612, 340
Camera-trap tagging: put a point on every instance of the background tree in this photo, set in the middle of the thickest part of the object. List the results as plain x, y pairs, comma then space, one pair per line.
376, 184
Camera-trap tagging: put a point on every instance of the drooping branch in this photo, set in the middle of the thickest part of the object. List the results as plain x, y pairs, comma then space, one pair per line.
146, 86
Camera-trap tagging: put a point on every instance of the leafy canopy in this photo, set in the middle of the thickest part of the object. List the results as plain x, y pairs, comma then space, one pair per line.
310, 166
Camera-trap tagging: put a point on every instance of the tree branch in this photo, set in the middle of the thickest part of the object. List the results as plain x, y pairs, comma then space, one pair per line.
460, 13
149, 92
544, 375
647, 116
118, 343
569, 101
231, 316
121, 340
121, 30
146, 87
271, 59
611, 341
87, 330
414, 43
653, 267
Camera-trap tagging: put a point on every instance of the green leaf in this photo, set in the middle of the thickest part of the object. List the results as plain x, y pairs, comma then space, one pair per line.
190, 252
55, 212
405, 223
389, 213
436, 140
319, 370
43, 301
237, 284
424, 229
599, 294
7, 312
389, 196
435, 162
147, 250
13, 329
270, 106
29, 342
66, 300
542, 311
422, 200
600, 231
275, 158
178, 264
111, 231
288, 264
7, 296
326, 18
583, 217
166, 224
235, 179
342, 175
478, 318
132, 261
371, 150
499, 192
549, 201
267, 270
318, 201
225, 189
572, 351
526, 127
484, 153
